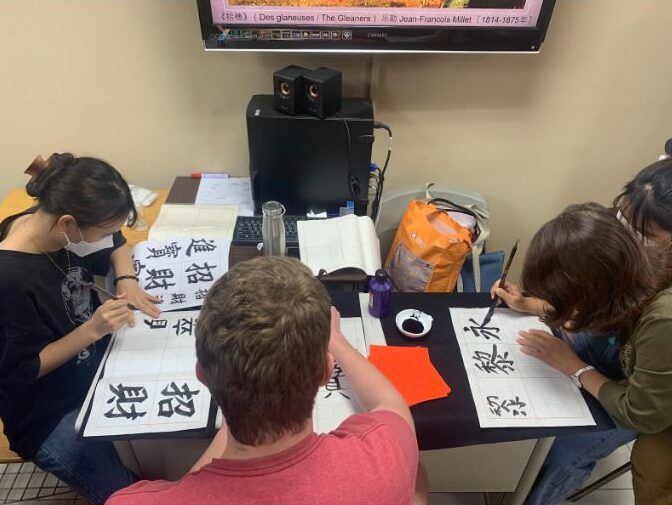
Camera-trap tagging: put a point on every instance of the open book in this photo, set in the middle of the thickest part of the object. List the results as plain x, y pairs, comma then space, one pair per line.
341, 242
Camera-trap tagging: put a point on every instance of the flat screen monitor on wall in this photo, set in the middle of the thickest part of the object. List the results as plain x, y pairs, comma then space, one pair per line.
375, 25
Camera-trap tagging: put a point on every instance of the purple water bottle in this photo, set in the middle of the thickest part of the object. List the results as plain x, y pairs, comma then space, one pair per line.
380, 287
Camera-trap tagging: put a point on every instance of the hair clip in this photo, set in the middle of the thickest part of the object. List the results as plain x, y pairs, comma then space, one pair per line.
38, 165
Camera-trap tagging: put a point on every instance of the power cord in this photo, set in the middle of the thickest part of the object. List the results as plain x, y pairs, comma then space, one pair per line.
375, 206
353, 182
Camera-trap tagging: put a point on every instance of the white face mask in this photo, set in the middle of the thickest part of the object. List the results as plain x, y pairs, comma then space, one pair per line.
84, 248
646, 241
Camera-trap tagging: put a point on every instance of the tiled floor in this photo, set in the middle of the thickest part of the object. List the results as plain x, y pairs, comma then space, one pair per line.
29, 485
24, 483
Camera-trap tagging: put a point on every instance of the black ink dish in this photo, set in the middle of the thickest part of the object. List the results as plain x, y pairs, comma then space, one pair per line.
413, 326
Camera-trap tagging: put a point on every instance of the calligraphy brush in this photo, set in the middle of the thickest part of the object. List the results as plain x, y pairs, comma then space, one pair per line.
103, 291
86, 284
502, 283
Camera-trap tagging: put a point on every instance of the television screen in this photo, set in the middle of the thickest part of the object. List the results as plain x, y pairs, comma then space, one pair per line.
375, 25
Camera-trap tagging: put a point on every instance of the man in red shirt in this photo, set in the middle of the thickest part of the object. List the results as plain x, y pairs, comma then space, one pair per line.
266, 340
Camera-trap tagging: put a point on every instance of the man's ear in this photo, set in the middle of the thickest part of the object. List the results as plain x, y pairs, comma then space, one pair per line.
200, 375
328, 370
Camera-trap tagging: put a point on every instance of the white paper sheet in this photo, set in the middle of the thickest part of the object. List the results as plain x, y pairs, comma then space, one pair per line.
180, 271
194, 221
229, 190
335, 401
149, 382
511, 389
341, 242
373, 330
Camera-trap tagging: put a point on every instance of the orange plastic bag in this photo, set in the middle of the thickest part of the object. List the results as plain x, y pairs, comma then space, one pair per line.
428, 250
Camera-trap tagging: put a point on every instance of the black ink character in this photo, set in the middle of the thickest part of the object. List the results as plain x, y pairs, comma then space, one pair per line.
183, 397
177, 298
126, 395
201, 245
159, 277
184, 325
334, 383
156, 324
499, 407
200, 273
170, 250
493, 362
482, 331
200, 294
138, 267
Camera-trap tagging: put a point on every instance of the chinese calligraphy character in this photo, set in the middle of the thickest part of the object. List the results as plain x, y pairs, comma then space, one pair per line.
170, 250
184, 402
138, 267
482, 331
499, 407
200, 273
184, 325
334, 383
201, 245
177, 298
156, 324
200, 294
493, 362
124, 395
159, 277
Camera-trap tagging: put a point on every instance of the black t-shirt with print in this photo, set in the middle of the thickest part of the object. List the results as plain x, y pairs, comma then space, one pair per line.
39, 305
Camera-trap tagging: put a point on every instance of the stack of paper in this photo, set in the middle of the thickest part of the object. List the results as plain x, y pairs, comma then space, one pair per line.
341, 242
226, 191
411, 371
192, 221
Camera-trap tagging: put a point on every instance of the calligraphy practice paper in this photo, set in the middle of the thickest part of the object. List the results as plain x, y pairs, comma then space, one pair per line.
193, 221
148, 382
335, 401
180, 271
512, 389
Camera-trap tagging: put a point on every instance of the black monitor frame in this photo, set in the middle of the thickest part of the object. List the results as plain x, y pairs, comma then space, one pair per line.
373, 39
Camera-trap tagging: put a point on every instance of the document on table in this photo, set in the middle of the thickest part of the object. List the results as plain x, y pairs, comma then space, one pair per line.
227, 191
147, 381
189, 221
512, 389
335, 402
341, 242
180, 271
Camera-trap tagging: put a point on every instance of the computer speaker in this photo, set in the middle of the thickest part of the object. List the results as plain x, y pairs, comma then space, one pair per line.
288, 89
322, 92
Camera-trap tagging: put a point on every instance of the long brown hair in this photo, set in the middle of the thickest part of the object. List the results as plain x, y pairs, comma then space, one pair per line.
593, 272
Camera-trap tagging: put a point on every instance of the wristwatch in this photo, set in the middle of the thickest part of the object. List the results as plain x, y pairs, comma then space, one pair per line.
575, 376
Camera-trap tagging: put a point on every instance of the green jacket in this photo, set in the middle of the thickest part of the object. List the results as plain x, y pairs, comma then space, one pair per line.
645, 404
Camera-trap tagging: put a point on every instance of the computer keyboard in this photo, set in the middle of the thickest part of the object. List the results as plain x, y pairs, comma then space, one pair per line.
248, 230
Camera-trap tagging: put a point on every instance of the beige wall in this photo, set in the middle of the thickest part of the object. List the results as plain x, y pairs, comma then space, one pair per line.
127, 80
